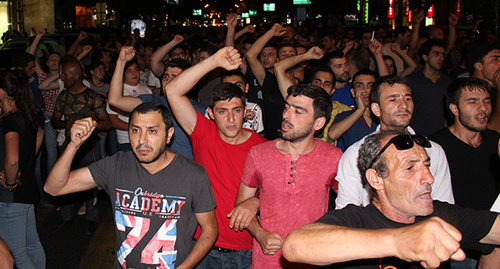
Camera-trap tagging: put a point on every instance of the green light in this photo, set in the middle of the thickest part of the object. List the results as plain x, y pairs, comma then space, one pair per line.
366, 11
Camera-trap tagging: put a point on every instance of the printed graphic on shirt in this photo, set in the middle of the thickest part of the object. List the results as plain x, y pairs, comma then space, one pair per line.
147, 223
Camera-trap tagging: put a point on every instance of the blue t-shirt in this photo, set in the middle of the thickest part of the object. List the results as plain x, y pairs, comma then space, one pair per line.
357, 131
343, 95
180, 141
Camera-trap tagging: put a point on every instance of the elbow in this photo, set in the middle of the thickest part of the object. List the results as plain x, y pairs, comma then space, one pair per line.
289, 249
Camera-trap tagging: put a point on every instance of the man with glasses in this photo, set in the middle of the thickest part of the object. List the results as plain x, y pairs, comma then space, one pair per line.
391, 101
403, 225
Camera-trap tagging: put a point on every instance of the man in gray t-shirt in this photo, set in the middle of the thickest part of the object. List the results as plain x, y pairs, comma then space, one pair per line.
159, 196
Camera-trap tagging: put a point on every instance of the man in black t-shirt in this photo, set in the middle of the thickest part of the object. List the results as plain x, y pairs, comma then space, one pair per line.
160, 196
471, 148
402, 226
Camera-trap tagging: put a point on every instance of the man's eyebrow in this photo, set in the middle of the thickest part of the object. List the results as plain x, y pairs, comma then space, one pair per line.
298, 107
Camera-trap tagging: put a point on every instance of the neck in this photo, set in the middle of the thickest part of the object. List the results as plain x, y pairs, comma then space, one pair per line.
384, 127
163, 161
97, 82
339, 84
78, 88
389, 212
367, 115
240, 138
431, 73
8, 105
297, 148
471, 138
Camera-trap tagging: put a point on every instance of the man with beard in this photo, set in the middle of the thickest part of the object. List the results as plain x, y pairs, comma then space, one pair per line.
471, 148
428, 88
340, 67
160, 195
293, 176
391, 101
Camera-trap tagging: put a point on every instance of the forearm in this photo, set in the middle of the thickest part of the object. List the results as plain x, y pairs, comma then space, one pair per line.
284, 82
39, 138
117, 123
103, 123
411, 65
338, 128
74, 46
157, 65
186, 80
322, 244
34, 45
115, 92
239, 34
254, 50
382, 68
413, 40
59, 175
50, 83
229, 41
11, 170
202, 246
82, 55
452, 37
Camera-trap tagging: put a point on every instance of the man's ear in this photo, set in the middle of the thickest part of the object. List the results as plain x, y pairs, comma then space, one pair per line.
454, 109
210, 113
425, 57
376, 109
319, 123
170, 133
478, 66
374, 179
247, 86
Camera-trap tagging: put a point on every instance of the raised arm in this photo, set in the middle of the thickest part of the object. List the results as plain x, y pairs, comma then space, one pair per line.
115, 94
411, 65
494, 123
86, 50
183, 110
429, 242
452, 34
232, 21
61, 179
248, 29
337, 129
314, 53
376, 49
417, 21
157, 65
82, 36
253, 52
39, 34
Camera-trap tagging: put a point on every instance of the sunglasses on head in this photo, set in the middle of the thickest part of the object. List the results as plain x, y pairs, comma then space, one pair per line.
403, 142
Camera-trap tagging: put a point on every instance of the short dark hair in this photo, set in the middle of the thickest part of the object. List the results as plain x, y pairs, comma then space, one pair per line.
337, 54
459, 85
226, 91
149, 107
360, 59
288, 45
210, 49
390, 80
323, 69
427, 46
322, 102
271, 45
22, 59
178, 46
368, 150
178, 63
93, 66
366, 72
235, 72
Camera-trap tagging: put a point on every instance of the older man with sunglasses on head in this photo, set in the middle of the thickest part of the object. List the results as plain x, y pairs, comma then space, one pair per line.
403, 225
391, 101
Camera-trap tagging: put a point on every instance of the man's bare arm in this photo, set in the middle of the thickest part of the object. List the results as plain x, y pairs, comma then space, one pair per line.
429, 242
376, 49
39, 34
157, 65
61, 179
337, 129
494, 122
232, 20
245, 208
253, 52
452, 34
314, 53
82, 36
208, 236
176, 90
418, 18
115, 94
50, 83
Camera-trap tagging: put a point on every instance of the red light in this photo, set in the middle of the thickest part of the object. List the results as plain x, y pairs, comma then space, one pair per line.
458, 8
390, 12
430, 12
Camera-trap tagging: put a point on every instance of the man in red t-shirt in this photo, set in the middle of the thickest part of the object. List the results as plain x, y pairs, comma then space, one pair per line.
221, 145
294, 175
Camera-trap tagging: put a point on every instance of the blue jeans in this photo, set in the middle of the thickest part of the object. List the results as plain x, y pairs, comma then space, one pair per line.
50, 137
241, 259
18, 229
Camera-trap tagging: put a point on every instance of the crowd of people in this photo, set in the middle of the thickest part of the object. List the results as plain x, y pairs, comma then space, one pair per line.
221, 148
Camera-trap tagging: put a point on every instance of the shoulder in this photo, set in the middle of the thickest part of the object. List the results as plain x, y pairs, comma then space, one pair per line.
440, 135
188, 164
327, 147
263, 146
256, 139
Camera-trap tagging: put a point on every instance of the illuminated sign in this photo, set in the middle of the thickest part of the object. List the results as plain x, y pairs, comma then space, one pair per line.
252, 12
430, 12
390, 12
196, 12
458, 8
301, 2
244, 15
269, 7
